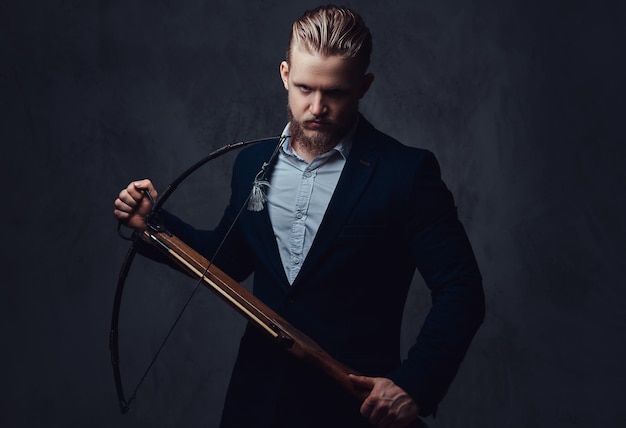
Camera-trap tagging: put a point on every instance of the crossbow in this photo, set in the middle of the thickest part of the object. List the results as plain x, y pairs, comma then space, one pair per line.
275, 327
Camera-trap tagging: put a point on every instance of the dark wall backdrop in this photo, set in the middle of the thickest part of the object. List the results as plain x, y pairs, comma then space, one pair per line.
521, 101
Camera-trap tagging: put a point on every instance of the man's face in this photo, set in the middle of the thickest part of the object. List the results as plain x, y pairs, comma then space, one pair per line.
323, 94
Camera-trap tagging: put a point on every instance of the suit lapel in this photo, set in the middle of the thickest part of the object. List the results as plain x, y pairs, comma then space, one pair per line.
354, 179
261, 223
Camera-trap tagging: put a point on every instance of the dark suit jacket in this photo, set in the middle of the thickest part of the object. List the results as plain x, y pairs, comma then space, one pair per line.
390, 214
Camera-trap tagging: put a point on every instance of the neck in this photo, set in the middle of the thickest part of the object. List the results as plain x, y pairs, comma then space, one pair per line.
307, 152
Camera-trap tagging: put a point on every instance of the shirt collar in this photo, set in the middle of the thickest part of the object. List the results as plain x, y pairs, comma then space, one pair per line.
343, 147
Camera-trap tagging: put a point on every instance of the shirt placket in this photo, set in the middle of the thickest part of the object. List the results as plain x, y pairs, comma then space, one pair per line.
303, 199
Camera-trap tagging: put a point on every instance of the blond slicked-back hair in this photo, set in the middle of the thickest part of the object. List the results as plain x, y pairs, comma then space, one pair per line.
332, 30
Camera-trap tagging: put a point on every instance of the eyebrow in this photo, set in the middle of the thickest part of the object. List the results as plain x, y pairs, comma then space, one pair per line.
329, 89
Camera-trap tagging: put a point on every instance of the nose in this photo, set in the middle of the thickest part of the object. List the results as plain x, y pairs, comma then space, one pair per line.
318, 105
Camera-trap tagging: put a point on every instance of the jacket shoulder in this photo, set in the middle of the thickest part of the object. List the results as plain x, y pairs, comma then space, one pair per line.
393, 152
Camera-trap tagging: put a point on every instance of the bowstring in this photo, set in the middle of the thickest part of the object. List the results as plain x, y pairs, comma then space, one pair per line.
263, 173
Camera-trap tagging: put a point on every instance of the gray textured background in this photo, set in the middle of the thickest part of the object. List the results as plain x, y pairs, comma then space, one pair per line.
521, 101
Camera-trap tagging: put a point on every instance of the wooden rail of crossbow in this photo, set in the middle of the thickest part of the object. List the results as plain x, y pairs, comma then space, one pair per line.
254, 310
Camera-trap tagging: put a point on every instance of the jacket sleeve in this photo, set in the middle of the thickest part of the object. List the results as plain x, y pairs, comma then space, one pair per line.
446, 261
224, 246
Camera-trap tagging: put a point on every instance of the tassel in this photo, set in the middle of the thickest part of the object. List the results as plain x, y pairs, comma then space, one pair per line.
258, 196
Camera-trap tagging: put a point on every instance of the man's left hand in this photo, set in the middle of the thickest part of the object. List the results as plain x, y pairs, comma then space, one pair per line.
387, 405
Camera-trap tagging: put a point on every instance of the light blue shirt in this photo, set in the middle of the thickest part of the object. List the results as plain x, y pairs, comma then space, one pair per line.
297, 198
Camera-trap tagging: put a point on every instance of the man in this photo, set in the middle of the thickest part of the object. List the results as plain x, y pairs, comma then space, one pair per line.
350, 214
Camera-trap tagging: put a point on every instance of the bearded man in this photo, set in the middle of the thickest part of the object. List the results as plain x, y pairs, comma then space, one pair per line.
350, 215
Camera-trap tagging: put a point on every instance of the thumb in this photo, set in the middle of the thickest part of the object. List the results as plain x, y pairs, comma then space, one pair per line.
364, 382
145, 185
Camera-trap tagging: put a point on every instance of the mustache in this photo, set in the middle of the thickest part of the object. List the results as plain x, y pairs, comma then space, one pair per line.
308, 118
319, 119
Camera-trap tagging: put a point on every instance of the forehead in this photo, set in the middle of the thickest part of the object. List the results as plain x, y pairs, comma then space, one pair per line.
324, 70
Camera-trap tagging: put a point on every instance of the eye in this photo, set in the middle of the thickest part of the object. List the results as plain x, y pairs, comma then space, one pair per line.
336, 93
305, 89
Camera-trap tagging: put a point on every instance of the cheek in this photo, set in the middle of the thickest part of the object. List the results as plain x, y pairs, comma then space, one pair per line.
296, 102
346, 109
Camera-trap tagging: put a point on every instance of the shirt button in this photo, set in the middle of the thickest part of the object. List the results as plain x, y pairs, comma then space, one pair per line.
296, 261
298, 215
307, 174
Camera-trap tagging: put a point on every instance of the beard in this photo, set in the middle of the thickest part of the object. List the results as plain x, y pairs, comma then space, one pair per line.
319, 142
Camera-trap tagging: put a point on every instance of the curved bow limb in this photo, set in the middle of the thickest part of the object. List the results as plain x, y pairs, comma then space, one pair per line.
153, 221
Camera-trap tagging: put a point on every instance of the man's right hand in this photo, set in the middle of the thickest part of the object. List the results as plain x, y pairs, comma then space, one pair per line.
132, 205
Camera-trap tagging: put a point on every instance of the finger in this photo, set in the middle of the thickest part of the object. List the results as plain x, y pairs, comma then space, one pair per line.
120, 215
388, 421
400, 415
135, 199
367, 408
125, 202
122, 210
380, 417
143, 185
131, 197
136, 190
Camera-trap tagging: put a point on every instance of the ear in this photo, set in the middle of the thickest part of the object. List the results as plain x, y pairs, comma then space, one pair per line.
284, 74
365, 85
